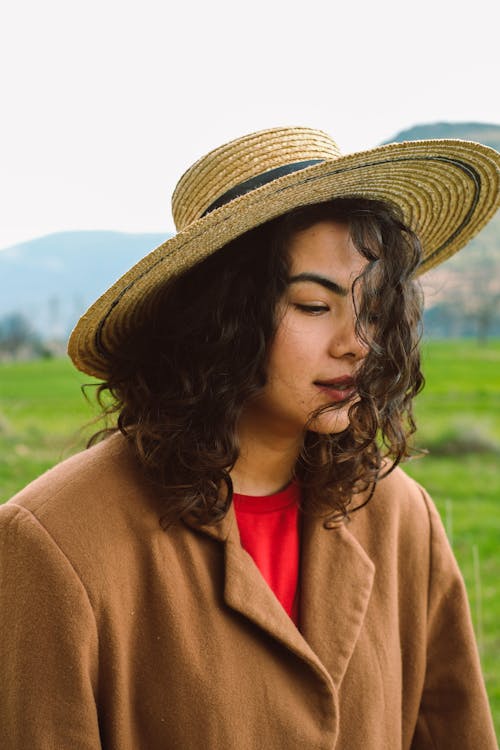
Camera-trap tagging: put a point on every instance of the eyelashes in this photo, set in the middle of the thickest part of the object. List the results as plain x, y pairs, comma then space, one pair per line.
312, 309
372, 318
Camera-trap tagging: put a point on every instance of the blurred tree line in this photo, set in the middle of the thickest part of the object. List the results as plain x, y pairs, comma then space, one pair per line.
20, 340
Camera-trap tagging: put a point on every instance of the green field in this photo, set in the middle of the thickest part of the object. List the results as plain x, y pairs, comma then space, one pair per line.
42, 411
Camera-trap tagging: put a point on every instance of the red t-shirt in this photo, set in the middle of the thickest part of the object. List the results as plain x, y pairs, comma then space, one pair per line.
269, 532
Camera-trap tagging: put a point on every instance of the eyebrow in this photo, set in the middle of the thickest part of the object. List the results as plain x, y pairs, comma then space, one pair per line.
329, 284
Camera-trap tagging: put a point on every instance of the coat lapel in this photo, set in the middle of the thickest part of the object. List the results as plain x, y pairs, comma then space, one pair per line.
246, 592
336, 583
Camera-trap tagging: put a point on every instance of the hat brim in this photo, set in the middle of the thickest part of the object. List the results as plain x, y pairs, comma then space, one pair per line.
447, 189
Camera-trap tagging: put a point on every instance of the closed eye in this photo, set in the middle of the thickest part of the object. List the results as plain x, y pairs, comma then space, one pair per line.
312, 309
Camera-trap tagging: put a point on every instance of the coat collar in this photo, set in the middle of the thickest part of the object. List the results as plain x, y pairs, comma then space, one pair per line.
335, 586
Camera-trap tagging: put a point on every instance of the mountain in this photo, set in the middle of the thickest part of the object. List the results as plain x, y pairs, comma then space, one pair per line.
53, 279
463, 295
481, 132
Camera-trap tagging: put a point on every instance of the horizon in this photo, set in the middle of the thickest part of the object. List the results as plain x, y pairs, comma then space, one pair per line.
168, 232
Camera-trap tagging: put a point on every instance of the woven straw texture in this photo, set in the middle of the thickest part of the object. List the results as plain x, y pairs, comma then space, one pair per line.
236, 162
447, 190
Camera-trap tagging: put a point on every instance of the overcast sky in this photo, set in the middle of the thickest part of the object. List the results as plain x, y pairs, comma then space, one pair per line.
105, 103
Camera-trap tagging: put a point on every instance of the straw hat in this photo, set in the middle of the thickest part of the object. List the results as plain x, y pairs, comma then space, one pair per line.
447, 189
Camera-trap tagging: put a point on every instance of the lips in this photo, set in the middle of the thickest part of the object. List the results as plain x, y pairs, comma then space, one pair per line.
338, 389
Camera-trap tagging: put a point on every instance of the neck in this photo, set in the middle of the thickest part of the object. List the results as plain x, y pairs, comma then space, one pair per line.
266, 461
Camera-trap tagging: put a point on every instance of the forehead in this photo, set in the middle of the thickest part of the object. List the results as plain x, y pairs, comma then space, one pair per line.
325, 248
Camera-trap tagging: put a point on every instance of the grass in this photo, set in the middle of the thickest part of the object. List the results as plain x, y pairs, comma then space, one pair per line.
42, 411
466, 492
41, 415
462, 389
458, 415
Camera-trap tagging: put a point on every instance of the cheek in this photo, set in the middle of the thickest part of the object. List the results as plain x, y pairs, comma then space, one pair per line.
291, 356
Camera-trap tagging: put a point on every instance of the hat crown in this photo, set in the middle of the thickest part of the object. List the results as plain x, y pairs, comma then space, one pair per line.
236, 162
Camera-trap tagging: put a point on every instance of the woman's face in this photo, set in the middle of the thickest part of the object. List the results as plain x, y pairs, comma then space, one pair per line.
315, 354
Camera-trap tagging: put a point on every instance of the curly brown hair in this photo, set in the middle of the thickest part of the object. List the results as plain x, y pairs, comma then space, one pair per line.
179, 384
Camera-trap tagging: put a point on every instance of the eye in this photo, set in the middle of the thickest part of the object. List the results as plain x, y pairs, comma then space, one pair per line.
312, 309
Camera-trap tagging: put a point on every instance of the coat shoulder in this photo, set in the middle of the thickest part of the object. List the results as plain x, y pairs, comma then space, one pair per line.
99, 485
400, 508
400, 495
96, 511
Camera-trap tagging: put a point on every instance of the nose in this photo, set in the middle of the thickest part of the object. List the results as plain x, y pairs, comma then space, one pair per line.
344, 342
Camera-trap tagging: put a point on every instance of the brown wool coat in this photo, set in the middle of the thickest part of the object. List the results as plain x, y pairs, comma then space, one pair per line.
115, 634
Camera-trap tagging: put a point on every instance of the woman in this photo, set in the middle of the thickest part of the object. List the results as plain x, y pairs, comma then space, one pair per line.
242, 564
